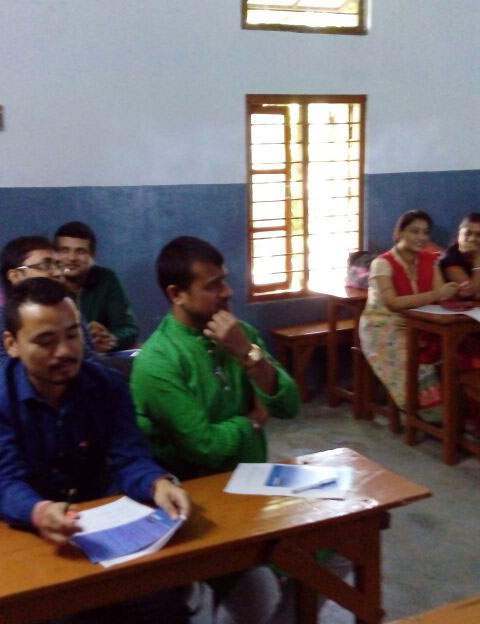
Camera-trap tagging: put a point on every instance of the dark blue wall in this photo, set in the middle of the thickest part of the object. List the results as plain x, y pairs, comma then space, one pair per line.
132, 224
446, 195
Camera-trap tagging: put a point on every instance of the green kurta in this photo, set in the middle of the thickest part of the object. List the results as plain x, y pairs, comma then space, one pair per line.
192, 400
103, 299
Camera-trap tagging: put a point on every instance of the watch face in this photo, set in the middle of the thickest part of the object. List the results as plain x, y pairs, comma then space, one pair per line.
255, 354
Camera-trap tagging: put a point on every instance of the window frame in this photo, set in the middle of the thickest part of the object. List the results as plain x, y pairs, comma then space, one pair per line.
361, 29
254, 101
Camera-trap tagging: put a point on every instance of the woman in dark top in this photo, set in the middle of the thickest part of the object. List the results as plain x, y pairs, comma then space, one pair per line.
461, 261
461, 264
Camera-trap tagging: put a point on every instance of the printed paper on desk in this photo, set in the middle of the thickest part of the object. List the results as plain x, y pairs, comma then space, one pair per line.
438, 309
474, 314
123, 530
289, 480
435, 309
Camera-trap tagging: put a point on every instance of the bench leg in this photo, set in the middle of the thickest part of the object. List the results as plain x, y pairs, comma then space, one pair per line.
301, 357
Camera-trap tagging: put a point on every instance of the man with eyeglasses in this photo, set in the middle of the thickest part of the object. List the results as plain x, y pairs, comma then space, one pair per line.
100, 296
32, 256
29, 256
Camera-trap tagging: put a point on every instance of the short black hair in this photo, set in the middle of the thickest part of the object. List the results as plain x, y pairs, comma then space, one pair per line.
15, 252
473, 217
175, 260
77, 229
42, 290
408, 217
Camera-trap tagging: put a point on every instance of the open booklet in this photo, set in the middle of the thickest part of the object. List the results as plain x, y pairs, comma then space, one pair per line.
123, 530
290, 480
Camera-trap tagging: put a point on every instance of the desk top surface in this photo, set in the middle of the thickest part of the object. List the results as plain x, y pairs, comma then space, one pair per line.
341, 291
219, 521
442, 319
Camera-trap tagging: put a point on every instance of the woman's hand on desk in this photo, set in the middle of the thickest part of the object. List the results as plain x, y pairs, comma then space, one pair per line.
447, 291
171, 497
56, 522
466, 290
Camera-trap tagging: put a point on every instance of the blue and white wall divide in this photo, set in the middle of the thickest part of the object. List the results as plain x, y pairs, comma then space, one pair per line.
130, 115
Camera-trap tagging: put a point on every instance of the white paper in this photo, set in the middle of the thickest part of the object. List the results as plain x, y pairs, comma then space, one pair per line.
113, 514
250, 479
436, 309
474, 313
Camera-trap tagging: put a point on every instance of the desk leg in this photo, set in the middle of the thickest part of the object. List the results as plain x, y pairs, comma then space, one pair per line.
449, 390
360, 370
412, 384
306, 604
358, 541
332, 354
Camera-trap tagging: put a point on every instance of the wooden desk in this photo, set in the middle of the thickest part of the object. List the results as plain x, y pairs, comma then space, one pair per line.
451, 329
354, 300
462, 612
226, 533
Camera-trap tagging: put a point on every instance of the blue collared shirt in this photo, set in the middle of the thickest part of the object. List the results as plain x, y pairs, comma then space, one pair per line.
88, 448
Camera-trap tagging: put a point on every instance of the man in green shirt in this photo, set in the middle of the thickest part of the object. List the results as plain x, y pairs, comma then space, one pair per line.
100, 296
203, 384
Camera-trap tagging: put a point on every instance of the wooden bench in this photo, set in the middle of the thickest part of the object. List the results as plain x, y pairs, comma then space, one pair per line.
463, 612
296, 344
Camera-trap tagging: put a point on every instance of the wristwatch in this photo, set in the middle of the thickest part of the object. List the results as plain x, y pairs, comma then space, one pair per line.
254, 355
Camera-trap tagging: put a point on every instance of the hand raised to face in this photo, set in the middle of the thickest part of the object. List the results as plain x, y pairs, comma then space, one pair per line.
225, 329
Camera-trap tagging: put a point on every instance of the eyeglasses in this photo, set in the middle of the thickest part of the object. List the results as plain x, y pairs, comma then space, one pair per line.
49, 265
472, 233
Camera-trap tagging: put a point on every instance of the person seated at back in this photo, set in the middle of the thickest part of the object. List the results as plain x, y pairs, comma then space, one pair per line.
203, 384
68, 433
32, 256
405, 277
101, 298
461, 262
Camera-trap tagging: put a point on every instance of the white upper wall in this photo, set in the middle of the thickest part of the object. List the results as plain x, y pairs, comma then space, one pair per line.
135, 92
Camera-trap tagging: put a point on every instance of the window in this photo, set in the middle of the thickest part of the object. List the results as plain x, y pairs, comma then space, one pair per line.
306, 163
327, 16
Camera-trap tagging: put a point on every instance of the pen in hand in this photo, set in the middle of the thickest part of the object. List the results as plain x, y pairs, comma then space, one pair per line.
70, 513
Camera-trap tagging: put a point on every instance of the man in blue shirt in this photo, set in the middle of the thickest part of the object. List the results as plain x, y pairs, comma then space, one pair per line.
67, 430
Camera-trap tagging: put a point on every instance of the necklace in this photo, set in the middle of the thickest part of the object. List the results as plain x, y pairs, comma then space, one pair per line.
410, 267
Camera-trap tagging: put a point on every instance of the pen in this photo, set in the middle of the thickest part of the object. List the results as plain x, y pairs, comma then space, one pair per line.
70, 496
312, 486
